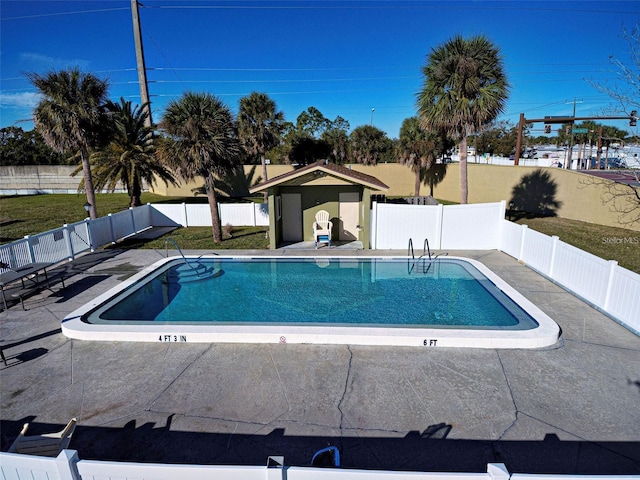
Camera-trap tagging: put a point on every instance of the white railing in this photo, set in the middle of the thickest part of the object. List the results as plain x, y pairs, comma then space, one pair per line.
53, 246
67, 466
17, 466
603, 283
70, 240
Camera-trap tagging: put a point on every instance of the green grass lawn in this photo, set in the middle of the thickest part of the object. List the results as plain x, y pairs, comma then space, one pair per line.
201, 238
27, 215
31, 214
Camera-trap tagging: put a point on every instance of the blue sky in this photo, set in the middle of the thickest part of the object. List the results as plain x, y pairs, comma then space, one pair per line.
343, 57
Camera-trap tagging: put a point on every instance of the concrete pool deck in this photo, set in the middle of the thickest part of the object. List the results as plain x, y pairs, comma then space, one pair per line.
570, 408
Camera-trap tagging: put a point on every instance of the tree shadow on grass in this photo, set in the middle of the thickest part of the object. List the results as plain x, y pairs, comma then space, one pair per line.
535, 196
433, 175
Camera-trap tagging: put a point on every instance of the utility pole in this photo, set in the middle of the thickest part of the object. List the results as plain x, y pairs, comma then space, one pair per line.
142, 71
599, 150
570, 149
516, 157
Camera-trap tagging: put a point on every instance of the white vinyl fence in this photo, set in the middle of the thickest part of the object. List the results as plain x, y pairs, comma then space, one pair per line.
604, 284
67, 466
451, 227
66, 242
199, 215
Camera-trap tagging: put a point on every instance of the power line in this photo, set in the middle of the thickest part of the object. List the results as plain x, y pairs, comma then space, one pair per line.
57, 14
155, 44
301, 80
349, 6
354, 5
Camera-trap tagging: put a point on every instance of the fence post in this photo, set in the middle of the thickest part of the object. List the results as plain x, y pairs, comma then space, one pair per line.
522, 239
111, 234
607, 296
439, 230
87, 224
67, 238
133, 220
498, 471
66, 465
185, 221
501, 219
150, 214
554, 247
32, 257
373, 237
275, 467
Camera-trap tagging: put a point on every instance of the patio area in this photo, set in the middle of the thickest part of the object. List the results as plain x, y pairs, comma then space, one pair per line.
571, 408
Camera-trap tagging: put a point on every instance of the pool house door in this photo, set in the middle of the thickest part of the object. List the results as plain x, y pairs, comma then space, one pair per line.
291, 217
349, 217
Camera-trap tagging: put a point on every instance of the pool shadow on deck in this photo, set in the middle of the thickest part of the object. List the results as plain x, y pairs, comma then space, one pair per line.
429, 450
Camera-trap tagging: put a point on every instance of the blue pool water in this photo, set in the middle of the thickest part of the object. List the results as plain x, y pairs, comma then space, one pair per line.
446, 293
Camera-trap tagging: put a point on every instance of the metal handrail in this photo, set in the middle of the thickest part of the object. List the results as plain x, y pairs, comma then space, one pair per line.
166, 247
426, 247
426, 253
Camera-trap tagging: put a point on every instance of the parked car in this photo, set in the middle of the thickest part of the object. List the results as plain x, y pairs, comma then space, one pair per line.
614, 162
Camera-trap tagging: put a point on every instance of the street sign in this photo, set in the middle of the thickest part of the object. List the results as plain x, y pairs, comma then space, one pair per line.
580, 130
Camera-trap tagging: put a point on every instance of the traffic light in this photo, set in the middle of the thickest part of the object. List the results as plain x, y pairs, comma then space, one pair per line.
633, 118
568, 130
547, 129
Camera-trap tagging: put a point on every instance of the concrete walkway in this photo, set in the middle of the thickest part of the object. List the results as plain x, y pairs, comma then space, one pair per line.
572, 408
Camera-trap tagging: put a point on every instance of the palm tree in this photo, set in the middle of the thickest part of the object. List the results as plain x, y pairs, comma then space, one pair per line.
417, 149
130, 156
338, 140
259, 126
203, 143
464, 88
69, 117
368, 145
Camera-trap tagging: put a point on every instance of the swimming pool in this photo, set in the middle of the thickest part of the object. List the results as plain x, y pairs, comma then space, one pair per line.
346, 300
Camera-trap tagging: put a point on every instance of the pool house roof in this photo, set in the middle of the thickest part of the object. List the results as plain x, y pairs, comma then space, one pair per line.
321, 170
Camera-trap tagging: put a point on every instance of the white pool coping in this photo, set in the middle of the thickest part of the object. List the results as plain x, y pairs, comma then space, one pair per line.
546, 334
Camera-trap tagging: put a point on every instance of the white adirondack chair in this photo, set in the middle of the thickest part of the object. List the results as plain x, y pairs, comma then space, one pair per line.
322, 228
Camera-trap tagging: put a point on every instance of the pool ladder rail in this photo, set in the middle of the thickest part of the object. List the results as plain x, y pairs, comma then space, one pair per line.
426, 255
191, 271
